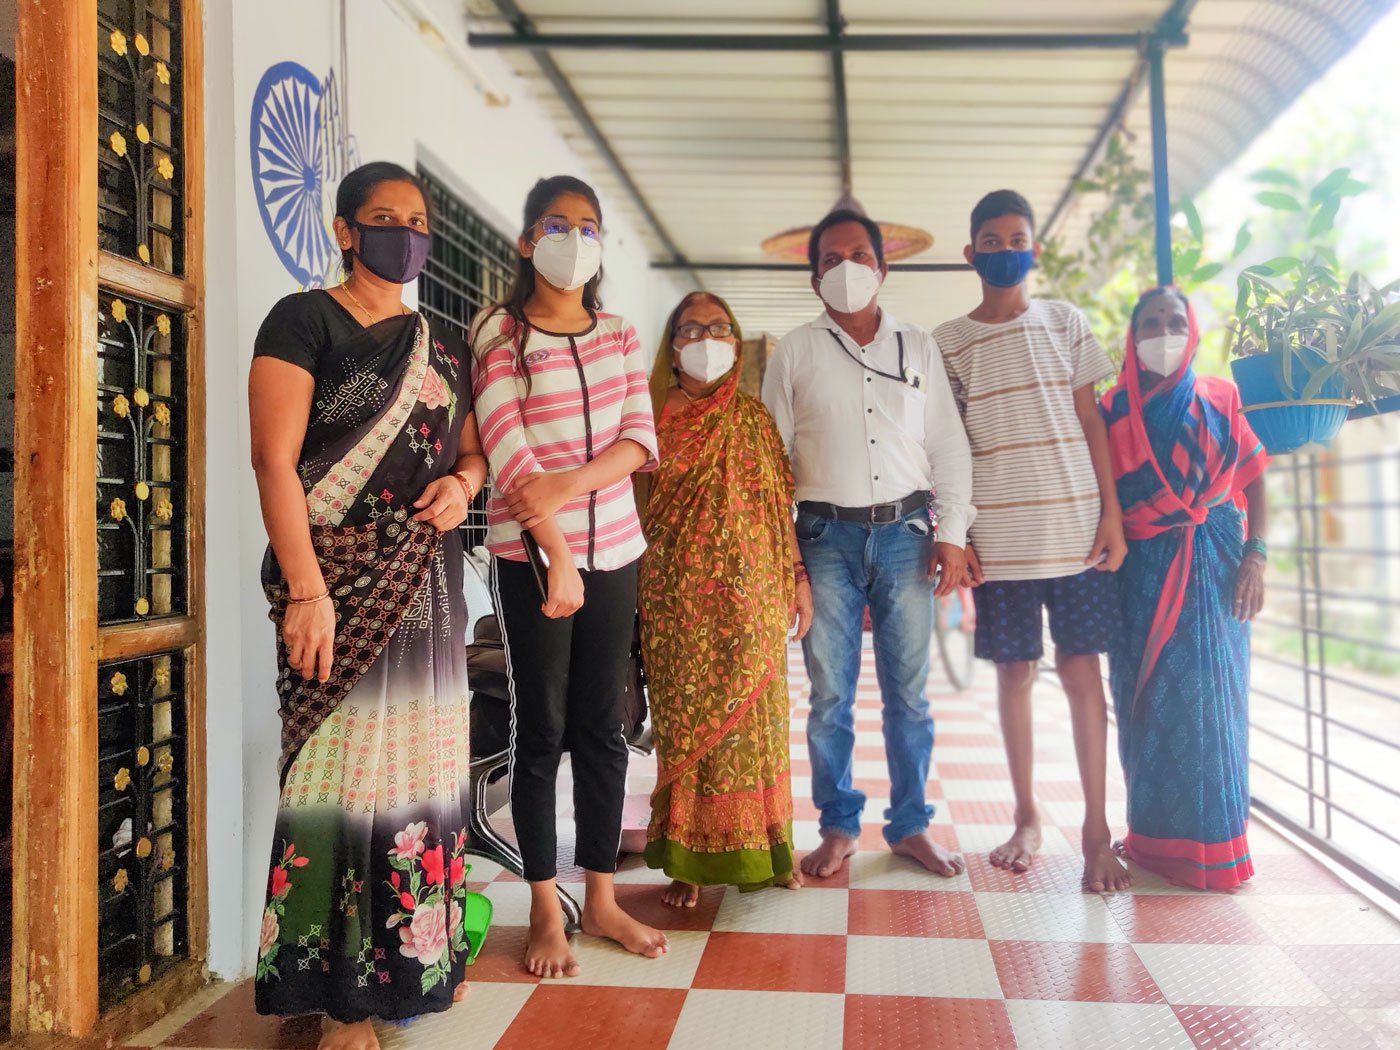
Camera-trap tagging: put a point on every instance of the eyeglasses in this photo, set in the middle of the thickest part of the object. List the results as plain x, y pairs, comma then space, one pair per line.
720, 330
557, 228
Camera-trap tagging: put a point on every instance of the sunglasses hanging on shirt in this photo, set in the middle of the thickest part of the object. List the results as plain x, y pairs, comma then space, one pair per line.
906, 375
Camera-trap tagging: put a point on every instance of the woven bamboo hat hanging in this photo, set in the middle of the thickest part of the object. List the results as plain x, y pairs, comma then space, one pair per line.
901, 241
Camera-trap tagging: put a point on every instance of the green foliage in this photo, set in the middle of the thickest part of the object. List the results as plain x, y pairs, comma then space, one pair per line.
1309, 316
1117, 260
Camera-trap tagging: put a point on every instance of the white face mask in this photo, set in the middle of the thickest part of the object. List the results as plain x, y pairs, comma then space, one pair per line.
568, 263
707, 360
1162, 354
849, 287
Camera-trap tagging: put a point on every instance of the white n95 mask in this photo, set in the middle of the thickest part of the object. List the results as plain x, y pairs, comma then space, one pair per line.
849, 287
707, 360
1162, 354
568, 262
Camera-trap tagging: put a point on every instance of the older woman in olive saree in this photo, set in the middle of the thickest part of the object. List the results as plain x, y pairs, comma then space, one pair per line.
721, 582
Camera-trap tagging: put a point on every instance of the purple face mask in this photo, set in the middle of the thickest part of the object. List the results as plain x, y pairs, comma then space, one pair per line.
392, 253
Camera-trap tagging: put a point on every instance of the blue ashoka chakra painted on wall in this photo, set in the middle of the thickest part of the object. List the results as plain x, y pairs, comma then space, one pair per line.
288, 154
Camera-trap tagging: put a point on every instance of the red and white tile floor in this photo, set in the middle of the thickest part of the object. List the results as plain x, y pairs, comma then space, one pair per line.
887, 956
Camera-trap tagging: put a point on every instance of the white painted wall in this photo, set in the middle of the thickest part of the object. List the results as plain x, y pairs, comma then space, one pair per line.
407, 101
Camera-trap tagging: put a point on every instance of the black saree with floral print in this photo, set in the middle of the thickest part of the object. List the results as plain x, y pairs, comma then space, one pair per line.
367, 911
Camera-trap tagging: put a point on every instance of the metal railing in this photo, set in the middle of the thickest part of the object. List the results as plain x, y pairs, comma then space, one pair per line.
1325, 695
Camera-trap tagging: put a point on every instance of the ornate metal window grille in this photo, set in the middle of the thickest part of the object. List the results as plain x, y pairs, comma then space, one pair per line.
141, 472
470, 266
140, 148
141, 843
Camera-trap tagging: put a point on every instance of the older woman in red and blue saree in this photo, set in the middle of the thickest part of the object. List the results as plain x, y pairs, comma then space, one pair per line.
1190, 478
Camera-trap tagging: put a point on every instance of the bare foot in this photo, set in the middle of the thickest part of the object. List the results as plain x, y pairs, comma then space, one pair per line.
547, 951
357, 1036
826, 860
610, 921
921, 847
681, 895
1017, 852
794, 881
634, 840
460, 992
1120, 848
1102, 871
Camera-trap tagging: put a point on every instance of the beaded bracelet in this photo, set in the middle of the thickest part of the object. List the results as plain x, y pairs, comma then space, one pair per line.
1257, 546
466, 485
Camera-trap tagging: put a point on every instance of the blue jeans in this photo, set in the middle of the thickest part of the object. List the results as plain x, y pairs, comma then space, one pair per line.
884, 567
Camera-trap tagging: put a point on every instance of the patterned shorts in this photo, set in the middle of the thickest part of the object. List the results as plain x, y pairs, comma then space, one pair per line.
1083, 609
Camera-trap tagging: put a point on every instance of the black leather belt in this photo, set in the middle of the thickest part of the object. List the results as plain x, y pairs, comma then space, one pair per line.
879, 514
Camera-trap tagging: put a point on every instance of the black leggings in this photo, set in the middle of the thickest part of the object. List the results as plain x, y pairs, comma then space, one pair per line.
567, 679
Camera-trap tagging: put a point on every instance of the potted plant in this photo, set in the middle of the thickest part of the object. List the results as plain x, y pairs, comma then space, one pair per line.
1309, 346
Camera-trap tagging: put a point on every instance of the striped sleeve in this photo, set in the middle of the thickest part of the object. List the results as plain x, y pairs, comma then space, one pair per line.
498, 411
1091, 364
638, 420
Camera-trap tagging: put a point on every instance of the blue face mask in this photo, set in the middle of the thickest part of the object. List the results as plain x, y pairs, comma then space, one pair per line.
1003, 269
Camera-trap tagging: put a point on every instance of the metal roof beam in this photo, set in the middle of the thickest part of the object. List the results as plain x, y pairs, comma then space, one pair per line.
836, 25
776, 267
1170, 26
820, 42
525, 30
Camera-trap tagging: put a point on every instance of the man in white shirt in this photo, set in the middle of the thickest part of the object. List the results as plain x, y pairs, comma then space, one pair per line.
864, 407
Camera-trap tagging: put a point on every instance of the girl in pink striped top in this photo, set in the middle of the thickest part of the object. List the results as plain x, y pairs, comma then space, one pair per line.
565, 416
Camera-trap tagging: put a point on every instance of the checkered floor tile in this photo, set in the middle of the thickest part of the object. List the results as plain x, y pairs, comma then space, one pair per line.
884, 955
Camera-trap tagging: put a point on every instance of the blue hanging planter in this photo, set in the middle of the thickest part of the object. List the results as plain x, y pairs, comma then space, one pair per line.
1276, 411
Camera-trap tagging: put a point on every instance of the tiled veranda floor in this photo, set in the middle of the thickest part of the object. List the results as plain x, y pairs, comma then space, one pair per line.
889, 957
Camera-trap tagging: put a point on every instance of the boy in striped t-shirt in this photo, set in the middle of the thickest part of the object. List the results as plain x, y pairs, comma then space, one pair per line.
1049, 530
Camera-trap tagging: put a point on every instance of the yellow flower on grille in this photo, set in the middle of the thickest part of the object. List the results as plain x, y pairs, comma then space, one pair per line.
117, 509
143, 756
142, 606
166, 762
163, 324
121, 880
122, 780
118, 41
118, 311
121, 406
143, 134
118, 684
162, 413
118, 143
143, 975
167, 860
162, 72
140, 396
143, 847
143, 491
165, 510
143, 253
162, 675
165, 168
143, 46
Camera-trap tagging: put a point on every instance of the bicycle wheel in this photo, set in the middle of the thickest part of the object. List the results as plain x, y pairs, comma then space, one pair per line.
952, 630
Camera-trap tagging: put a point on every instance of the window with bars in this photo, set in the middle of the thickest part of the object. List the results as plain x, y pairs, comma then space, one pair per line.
149, 673
470, 266
140, 461
139, 204
141, 828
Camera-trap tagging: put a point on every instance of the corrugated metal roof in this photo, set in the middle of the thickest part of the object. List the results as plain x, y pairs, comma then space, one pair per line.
729, 147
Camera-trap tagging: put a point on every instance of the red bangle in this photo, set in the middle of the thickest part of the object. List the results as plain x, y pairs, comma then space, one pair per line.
466, 485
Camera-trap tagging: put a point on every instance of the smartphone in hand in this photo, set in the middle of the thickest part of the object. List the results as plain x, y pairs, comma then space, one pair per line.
539, 563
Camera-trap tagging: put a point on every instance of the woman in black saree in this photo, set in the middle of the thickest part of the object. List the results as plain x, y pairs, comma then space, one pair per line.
367, 457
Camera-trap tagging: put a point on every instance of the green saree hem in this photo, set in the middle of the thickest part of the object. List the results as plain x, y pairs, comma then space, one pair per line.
749, 869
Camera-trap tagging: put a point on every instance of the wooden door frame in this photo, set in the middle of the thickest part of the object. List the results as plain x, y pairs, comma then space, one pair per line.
57, 642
